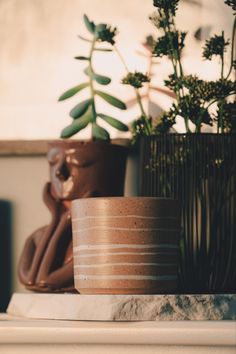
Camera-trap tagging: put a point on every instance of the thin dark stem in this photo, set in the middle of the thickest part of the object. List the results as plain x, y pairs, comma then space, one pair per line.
150, 65
222, 60
139, 100
232, 49
175, 58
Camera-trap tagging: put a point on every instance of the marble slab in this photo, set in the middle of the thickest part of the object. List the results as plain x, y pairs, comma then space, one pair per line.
123, 307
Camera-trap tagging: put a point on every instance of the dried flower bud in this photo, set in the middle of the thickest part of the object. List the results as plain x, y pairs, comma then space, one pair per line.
105, 33
215, 46
166, 5
169, 44
135, 79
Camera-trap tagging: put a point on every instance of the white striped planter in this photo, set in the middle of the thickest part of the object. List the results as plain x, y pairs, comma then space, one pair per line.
126, 245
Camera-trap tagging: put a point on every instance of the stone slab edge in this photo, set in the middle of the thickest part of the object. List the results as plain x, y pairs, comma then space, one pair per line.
123, 307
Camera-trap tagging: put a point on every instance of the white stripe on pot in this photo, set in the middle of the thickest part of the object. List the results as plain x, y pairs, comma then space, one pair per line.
126, 277
107, 228
102, 254
124, 264
124, 216
125, 245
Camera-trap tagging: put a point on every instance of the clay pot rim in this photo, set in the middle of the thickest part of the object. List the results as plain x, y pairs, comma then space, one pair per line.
133, 198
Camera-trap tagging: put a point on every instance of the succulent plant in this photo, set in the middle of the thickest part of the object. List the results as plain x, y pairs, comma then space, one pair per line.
85, 112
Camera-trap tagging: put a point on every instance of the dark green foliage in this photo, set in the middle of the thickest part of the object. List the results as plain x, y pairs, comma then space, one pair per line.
135, 79
194, 95
105, 33
220, 89
201, 90
190, 107
167, 5
170, 44
215, 46
228, 111
141, 127
167, 121
174, 83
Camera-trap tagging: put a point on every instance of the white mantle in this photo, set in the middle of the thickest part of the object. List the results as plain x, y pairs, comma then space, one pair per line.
18, 336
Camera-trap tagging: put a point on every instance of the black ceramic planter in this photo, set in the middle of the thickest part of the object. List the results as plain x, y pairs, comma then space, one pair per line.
200, 171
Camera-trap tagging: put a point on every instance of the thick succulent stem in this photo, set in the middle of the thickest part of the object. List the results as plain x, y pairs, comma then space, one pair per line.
92, 91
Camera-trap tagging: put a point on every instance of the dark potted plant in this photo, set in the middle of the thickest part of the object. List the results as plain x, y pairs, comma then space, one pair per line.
78, 169
197, 168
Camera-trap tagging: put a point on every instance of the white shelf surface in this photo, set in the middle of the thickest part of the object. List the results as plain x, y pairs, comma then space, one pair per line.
168, 332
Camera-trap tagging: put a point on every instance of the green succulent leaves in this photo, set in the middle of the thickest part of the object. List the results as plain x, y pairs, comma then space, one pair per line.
89, 24
115, 123
84, 112
80, 108
71, 92
99, 132
111, 99
76, 126
81, 58
101, 79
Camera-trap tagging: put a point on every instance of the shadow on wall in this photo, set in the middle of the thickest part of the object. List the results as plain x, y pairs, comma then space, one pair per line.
5, 253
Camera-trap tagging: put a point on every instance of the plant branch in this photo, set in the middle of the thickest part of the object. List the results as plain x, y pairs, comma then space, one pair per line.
222, 61
92, 91
232, 48
139, 99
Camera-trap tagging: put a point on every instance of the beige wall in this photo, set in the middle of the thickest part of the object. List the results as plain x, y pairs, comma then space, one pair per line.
39, 40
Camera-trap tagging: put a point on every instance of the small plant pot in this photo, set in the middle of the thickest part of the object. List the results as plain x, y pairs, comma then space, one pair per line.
126, 245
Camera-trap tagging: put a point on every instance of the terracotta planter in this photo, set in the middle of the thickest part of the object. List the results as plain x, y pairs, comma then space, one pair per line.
126, 245
77, 170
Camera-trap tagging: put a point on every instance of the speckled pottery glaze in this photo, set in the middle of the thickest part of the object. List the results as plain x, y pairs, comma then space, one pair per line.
126, 245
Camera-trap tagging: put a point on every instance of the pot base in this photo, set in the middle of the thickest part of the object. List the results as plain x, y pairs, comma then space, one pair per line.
138, 291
